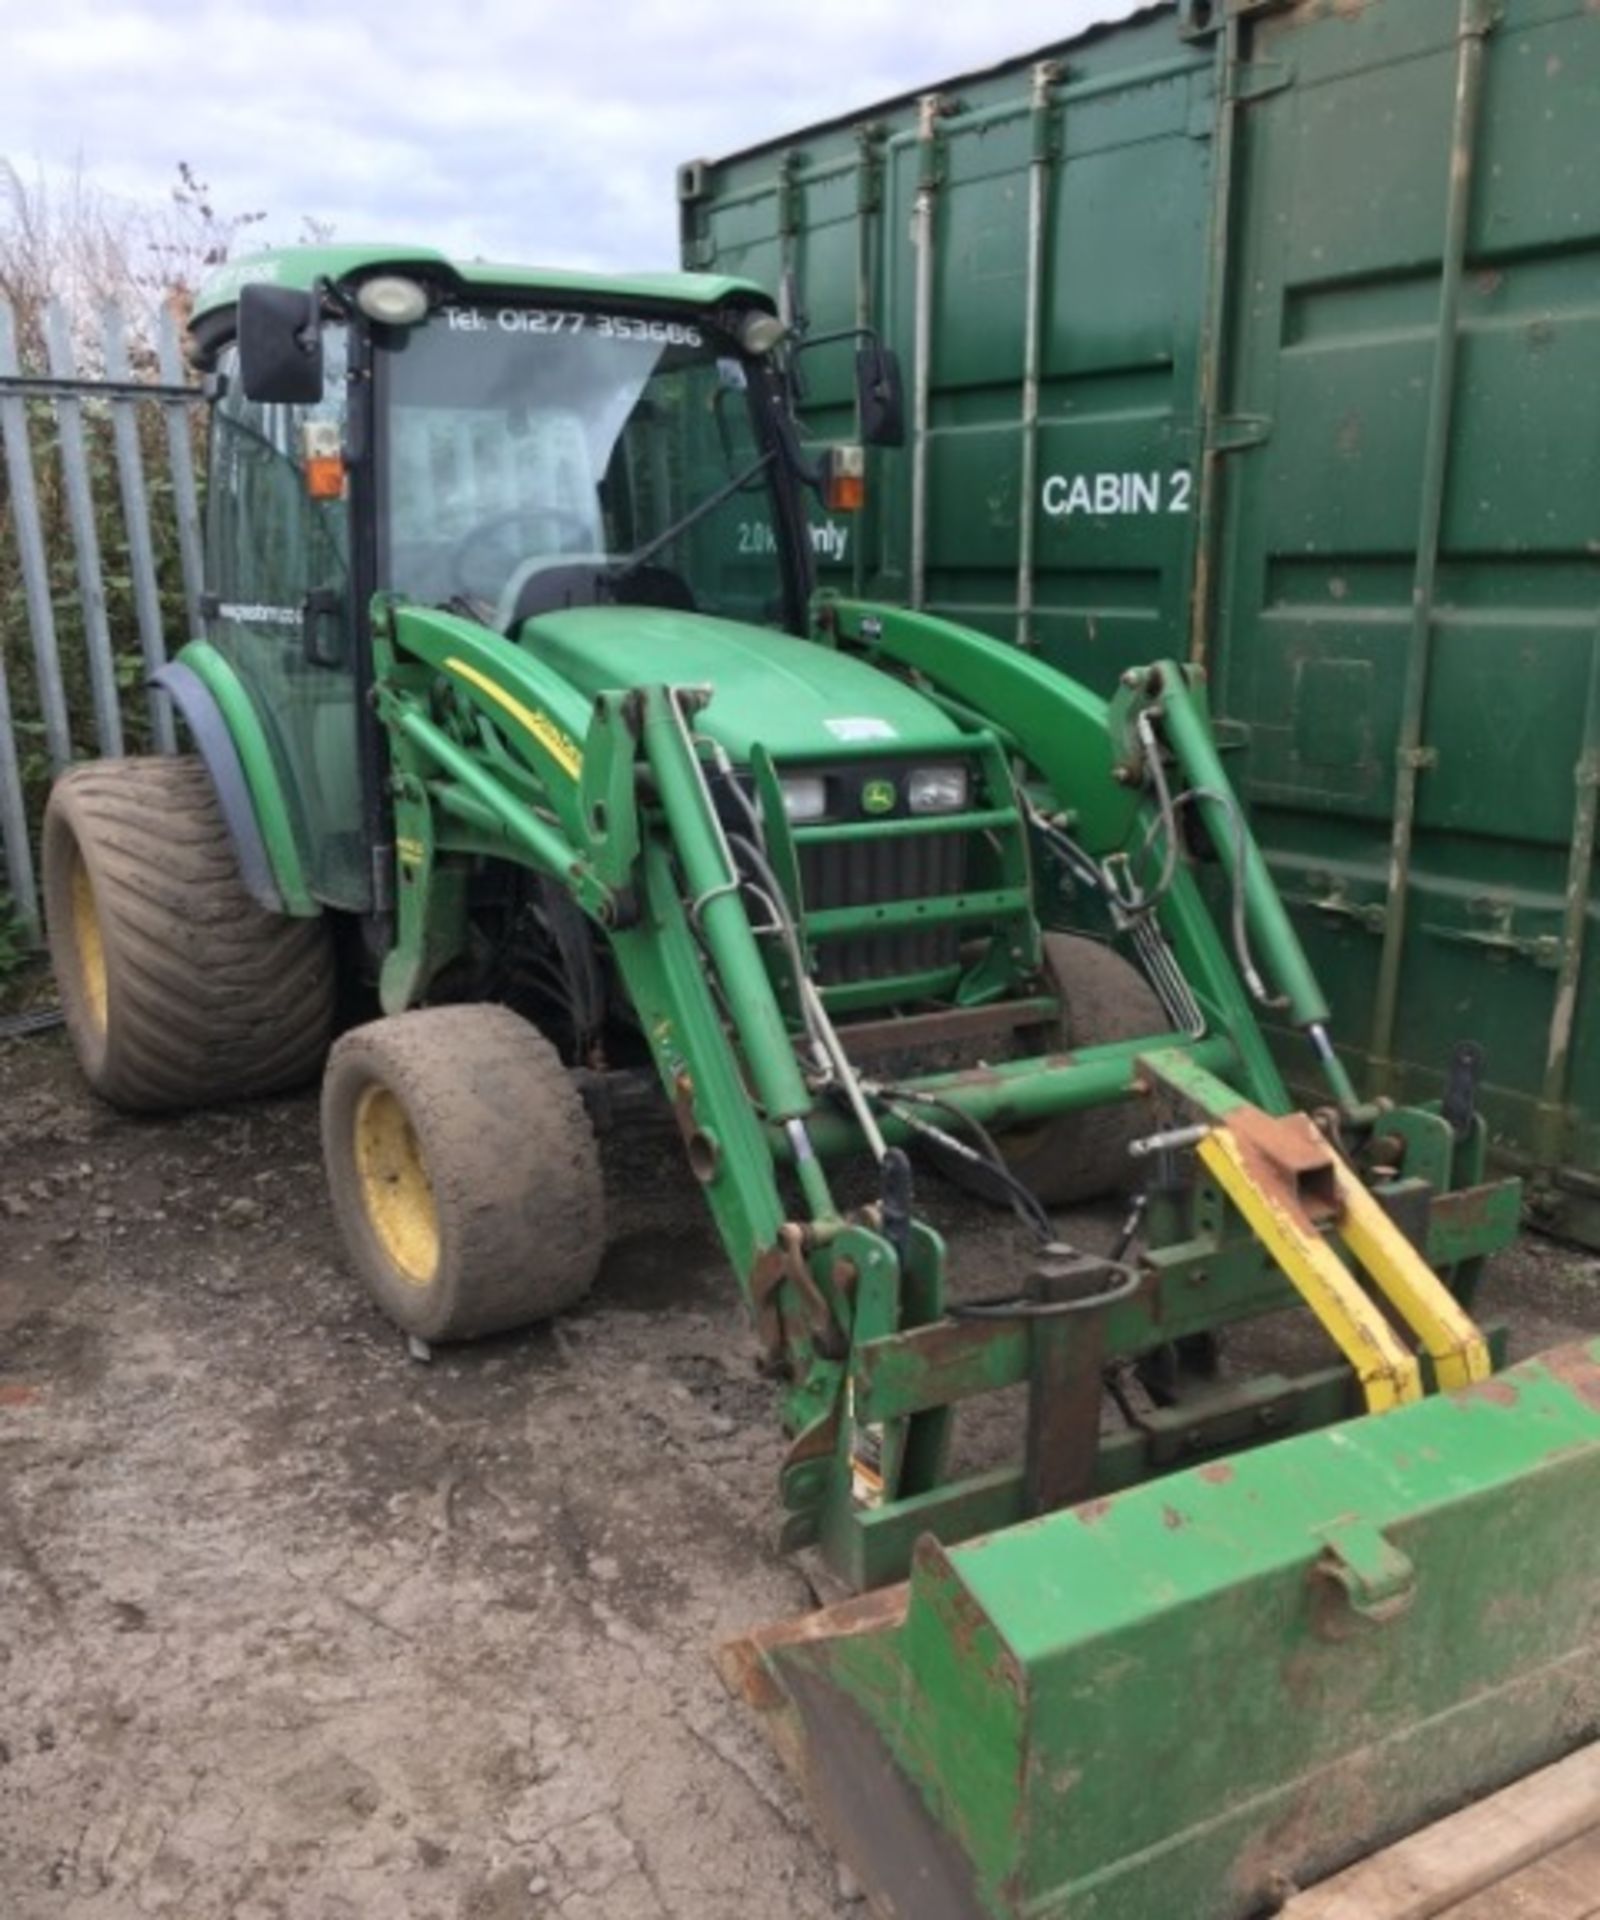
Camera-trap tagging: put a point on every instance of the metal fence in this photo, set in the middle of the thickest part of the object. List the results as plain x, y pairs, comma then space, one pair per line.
100, 535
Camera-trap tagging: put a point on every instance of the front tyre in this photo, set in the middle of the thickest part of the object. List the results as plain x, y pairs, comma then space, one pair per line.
463, 1171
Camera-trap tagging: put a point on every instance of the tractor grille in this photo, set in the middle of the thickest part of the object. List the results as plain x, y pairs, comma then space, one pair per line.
859, 873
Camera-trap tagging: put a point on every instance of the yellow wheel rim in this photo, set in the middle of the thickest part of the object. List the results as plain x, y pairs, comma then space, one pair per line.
90, 944
395, 1188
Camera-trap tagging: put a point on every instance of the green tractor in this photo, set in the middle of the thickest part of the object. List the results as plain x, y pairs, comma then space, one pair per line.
517, 706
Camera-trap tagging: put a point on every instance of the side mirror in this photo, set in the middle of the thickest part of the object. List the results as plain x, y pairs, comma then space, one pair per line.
280, 344
880, 395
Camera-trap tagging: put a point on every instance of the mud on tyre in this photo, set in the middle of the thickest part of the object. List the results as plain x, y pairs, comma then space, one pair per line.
179, 990
463, 1171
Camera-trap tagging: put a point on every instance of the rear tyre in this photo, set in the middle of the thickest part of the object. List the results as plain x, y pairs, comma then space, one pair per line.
1080, 1156
463, 1171
178, 989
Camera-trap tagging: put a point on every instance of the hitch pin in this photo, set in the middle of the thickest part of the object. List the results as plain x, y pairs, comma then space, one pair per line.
1172, 1141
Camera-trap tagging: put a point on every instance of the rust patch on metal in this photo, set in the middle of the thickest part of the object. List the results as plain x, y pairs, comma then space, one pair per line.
967, 1620
1092, 1512
1576, 1368
1290, 1161
976, 1077
764, 1279
1307, 11
816, 1442
1467, 1208
1499, 1392
1172, 1520
746, 1676
744, 1661
18, 1393
1217, 1474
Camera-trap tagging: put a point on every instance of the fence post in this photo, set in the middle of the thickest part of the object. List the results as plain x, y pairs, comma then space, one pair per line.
14, 823
185, 500
31, 552
136, 517
85, 537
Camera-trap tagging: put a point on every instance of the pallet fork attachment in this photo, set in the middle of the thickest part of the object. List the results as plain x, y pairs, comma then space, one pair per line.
1299, 1194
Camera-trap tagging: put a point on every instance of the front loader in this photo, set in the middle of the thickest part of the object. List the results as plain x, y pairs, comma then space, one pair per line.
517, 710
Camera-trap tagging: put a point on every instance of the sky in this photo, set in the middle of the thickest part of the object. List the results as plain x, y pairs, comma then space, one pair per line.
511, 129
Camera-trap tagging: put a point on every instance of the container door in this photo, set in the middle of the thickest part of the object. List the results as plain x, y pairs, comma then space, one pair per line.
1066, 197
1406, 625
1084, 210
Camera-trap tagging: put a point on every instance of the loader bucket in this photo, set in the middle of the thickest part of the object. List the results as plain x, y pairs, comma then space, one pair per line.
1188, 1699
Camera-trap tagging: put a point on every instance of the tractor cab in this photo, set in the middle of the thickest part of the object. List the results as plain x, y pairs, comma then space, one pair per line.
501, 443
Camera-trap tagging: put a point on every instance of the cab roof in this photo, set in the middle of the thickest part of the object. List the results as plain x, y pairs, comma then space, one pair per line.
304, 266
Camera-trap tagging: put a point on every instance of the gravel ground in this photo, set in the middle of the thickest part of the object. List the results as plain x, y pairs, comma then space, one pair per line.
293, 1627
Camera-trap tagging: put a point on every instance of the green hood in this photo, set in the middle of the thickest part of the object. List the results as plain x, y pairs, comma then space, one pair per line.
800, 700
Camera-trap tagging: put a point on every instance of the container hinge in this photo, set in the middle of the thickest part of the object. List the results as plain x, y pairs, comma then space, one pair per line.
1239, 432
1500, 939
1328, 895
1230, 736
931, 109
870, 140
1418, 759
1258, 80
790, 206
1202, 19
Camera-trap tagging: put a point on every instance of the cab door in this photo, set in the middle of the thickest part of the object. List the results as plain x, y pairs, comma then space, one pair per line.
278, 610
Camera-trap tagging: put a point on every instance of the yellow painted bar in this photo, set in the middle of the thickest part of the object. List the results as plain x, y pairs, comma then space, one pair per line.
1389, 1375
1459, 1352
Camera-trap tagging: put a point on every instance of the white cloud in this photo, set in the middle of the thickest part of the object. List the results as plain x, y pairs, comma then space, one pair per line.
517, 128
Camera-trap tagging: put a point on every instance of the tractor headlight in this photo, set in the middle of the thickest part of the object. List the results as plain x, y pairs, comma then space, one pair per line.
937, 789
805, 796
393, 300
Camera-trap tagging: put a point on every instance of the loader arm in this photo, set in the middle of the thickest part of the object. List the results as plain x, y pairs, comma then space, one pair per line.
495, 753
614, 795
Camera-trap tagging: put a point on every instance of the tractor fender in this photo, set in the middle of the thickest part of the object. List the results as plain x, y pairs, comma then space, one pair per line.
243, 778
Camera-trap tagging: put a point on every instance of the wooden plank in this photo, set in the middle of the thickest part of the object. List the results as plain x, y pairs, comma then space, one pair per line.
1562, 1886
1434, 1872
85, 537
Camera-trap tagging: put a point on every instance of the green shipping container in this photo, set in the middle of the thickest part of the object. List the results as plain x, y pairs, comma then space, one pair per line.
1271, 333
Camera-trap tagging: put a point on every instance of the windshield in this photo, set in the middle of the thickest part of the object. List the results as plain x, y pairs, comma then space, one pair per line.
540, 459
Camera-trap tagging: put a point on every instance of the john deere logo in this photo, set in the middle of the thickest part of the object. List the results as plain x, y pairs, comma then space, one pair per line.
878, 796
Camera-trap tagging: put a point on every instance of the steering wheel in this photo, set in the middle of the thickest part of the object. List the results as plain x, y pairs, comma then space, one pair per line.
577, 532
